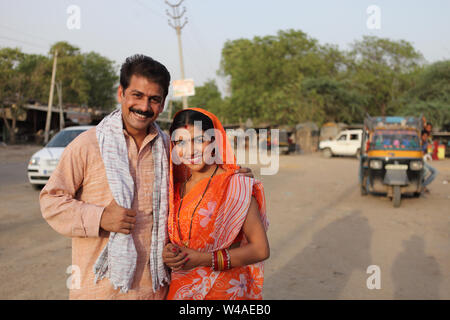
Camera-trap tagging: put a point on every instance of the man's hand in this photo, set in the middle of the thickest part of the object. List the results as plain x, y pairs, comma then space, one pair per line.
117, 219
245, 171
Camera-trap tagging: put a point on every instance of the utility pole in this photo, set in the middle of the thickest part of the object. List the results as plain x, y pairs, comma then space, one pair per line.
50, 98
61, 113
176, 17
170, 110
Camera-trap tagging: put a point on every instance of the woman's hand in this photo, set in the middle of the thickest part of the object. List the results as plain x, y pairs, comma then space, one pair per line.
173, 257
195, 259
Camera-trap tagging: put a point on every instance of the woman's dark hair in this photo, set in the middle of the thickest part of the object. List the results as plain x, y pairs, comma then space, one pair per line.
188, 117
146, 67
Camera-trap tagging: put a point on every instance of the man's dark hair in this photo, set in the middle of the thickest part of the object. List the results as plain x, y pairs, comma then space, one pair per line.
144, 66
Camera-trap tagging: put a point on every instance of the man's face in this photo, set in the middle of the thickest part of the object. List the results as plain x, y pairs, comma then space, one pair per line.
141, 102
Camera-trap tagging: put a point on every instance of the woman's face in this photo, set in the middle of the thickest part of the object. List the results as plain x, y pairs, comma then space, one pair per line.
190, 145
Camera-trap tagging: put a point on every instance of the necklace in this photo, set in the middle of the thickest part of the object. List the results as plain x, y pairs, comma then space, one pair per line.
186, 242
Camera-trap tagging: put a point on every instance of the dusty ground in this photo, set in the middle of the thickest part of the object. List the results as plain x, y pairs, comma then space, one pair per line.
323, 235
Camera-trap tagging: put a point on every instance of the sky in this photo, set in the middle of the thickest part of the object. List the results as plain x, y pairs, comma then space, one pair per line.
117, 29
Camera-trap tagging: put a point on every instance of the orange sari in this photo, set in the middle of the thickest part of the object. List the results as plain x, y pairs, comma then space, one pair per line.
217, 224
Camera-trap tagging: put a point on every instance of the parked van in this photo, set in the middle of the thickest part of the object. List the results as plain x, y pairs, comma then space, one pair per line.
346, 143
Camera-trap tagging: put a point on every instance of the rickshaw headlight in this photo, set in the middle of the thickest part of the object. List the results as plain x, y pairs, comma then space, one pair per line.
376, 164
416, 165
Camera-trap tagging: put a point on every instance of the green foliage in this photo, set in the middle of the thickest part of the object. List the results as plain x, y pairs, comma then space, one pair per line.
207, 97
87, 79
382, 68
290, 78
101, 76
430, 95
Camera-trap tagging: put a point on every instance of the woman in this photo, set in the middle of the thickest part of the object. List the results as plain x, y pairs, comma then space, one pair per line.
217, 221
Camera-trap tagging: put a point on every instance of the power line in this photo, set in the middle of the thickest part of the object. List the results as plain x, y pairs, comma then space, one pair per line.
150, 9
205, 52
25, 33
24, 42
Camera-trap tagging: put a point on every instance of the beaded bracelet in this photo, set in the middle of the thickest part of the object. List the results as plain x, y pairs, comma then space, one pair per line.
228, 265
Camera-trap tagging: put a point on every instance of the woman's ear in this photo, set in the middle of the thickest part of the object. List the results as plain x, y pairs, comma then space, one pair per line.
213, 152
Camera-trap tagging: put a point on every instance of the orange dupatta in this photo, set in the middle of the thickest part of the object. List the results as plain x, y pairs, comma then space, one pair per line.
216, 224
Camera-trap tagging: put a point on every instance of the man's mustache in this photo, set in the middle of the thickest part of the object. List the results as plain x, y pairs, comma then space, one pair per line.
148, 114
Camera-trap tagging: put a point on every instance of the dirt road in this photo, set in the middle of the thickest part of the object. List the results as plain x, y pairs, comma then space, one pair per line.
323, 235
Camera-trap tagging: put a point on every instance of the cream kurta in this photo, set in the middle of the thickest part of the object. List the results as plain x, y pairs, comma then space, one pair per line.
73, 201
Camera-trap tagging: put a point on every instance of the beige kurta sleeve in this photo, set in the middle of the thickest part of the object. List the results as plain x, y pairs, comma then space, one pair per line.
59, 206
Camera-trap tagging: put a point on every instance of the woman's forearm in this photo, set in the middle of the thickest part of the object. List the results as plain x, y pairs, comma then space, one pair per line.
248, 254
241, 256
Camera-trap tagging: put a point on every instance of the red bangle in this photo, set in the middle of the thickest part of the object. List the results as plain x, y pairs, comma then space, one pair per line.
221, 260
216, 265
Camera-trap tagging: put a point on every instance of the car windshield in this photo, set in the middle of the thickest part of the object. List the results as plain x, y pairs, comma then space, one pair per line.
63, 138
395, 140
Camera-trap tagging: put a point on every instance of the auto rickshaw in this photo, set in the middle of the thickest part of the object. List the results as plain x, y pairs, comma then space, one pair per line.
391, 160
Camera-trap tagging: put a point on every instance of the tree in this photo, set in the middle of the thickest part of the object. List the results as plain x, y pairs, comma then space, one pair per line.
208, 97
266, 77
339, 101
99, 72
430, 95
382, 68
12, 87
87, 80
70, 73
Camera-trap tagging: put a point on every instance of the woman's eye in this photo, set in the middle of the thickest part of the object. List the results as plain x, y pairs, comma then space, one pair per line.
198, 140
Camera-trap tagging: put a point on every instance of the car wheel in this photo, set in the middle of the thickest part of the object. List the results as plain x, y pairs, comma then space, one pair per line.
327, 153
37, 187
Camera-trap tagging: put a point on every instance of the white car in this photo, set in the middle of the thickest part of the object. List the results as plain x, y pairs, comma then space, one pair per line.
43, 162
347, 143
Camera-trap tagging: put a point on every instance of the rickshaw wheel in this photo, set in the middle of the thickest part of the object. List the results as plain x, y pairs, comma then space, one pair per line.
364, 186
397, 196
363, 190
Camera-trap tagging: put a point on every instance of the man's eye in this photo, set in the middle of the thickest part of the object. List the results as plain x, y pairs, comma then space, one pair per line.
179, 142
155, 99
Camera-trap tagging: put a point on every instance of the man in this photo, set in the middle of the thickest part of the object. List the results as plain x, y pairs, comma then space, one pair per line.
113, 240
430, 173
429, 128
